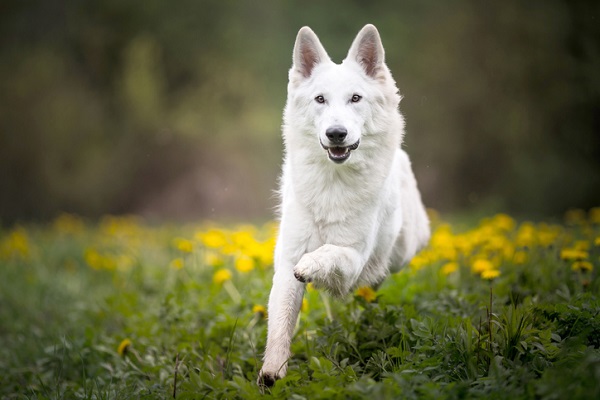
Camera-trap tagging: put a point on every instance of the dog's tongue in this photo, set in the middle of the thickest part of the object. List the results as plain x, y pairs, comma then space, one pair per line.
338, 151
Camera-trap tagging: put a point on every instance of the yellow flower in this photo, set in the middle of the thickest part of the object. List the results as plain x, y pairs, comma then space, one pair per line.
310, 287
214, 238
176, 263
16, 244
449, 268
184, 245
221, 276
261, 310
366, 293
124, 347
503, 222
597, 241
481, 265
304, 307
595, 215
582, 266
573, 254
244, 264
490, 274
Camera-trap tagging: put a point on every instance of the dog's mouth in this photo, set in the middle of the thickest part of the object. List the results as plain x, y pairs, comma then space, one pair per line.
339, 154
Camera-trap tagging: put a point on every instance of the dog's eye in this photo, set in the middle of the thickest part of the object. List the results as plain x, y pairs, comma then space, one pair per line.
356, 98
320, 99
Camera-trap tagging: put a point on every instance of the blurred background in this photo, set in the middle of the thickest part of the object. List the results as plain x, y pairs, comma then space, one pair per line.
172, 110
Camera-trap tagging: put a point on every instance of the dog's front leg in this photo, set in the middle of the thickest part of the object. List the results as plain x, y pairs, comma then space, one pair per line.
335, 268
284, 305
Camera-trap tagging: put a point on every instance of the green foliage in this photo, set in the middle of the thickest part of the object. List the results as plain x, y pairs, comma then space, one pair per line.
122, 309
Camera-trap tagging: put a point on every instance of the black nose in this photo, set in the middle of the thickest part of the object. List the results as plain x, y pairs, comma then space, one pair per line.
336, 134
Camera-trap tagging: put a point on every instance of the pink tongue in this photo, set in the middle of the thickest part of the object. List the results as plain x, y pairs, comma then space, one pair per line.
337, 151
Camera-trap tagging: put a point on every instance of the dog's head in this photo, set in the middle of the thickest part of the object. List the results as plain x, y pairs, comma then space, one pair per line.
343, 104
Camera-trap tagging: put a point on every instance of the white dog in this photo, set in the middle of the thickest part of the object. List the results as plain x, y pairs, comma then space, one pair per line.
350, 208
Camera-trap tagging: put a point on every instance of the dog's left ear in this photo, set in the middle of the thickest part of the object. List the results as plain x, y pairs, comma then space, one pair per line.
368, 51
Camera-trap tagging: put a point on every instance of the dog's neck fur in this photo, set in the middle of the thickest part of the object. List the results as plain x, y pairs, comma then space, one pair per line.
327, 194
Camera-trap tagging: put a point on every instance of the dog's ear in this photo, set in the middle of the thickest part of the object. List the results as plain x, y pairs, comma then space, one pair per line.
308, 52
368, 51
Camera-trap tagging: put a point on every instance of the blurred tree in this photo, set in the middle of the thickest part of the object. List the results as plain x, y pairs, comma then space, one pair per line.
174, 109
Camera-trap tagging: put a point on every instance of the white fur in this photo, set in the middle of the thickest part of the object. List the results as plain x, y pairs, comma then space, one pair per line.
342, 225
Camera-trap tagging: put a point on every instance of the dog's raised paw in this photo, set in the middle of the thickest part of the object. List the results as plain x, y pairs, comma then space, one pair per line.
267, 379
300, 277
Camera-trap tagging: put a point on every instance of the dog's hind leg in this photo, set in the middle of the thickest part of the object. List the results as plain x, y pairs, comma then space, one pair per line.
284, 305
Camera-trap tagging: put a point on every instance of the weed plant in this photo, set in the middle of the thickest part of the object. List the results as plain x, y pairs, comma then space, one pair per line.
125, 309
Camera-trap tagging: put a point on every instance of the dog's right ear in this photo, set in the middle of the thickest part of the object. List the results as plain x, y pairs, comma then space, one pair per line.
308, 53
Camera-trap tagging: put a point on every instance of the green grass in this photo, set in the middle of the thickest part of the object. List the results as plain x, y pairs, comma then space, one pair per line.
71, 292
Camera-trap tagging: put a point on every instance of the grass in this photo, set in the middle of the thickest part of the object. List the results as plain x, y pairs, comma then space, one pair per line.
125, 309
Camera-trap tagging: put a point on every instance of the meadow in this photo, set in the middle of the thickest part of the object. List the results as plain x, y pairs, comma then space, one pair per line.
122, 308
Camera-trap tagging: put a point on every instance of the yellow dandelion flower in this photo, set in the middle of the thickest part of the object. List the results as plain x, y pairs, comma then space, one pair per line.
597, 241
244, 264
310, 287
184, 245
93, 259
490, 274
449, 268
366, 293
260, 310
594, 215
573, 254
222, 275
304, 307
480, 265
582, 266
213, 238
124, 347
177, 263
503, 222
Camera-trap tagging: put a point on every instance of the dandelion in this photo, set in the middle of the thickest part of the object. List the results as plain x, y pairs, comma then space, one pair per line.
304, 307
16, 244
184, 245
213, 238
366, 293
260, 310
222, 275
595, 215
503, 222
573, 254
490, 274
582, 266
177, 263
124, 347
310, 287
244, 264
449, 268
481, 265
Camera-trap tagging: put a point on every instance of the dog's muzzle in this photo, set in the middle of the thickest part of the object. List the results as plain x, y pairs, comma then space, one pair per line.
339, 154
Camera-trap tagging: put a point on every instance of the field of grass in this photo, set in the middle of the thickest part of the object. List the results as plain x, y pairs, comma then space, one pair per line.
125, 309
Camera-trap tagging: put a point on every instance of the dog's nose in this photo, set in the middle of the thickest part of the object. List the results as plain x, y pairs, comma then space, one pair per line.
336, 134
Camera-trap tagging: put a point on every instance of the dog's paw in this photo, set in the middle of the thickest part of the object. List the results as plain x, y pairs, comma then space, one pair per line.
305, 269
300, 277
267, 379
